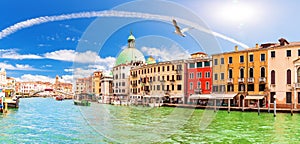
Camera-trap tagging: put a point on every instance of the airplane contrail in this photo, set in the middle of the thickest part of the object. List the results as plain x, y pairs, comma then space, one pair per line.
110, 13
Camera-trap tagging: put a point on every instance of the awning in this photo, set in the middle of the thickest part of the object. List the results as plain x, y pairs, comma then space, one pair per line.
153, 96
146, 96
254, 96
202, 96
135, 96
176, 96
223, 96
213, 96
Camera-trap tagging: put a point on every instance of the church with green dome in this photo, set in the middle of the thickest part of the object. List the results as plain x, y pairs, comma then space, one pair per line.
127, 58
130, 54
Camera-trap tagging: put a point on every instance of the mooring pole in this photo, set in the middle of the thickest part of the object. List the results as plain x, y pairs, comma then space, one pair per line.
274, 105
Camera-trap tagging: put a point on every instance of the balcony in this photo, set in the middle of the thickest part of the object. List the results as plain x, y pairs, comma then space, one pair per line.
230, 80
251, 80
167, 92
172, 82
147, 92
241, 80
262, 79
134, 75
297, 85
197, 90
134, 84
178, 71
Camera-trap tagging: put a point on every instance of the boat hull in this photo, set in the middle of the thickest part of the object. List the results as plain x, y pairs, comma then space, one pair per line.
82, 103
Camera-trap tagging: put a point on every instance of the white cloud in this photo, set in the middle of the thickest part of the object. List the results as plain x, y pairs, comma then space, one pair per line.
166, 54
84, 57
43, 45
12, 54
68, 38
68, 79
69, 70
87, 57
30, 77
80, 72
16, 67
46, 66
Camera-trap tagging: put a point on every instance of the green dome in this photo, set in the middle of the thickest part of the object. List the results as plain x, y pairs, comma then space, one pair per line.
130, 55
150, 60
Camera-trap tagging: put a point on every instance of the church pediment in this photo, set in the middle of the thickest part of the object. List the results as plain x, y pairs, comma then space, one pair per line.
297, 61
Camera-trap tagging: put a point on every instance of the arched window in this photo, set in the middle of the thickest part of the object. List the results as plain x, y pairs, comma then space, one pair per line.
272, 77
288, 77
242, 73
191, 86
262, 72
198, 85
230, 73
298, 75
207, 86
251, 72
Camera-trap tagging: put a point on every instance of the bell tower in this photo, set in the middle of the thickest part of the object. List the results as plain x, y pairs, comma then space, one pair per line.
131, 41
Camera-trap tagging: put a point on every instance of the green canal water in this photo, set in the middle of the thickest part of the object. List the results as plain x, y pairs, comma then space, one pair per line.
44, 120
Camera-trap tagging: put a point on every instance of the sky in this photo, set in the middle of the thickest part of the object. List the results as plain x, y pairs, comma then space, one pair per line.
73, 38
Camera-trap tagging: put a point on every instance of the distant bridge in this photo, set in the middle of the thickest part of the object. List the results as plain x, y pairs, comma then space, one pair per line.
35, 93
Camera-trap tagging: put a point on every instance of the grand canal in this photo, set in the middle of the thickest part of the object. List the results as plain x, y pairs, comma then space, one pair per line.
44, 120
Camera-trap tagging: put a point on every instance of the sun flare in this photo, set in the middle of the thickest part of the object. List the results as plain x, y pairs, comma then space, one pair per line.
237, 12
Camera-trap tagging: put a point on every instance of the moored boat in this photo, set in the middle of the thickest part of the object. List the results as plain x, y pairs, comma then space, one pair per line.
59, 98
82, 102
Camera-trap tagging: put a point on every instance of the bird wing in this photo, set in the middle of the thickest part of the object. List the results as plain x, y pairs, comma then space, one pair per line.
177, 28
174, 23
186, 29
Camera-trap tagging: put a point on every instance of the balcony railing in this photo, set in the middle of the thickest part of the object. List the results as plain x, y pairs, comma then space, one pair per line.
241, 80
230, 80
167, 92
178, 71
262, 79
297, 85
134, 75
147, 92
251, 80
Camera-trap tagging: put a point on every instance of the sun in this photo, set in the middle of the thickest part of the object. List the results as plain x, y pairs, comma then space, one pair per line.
237, 12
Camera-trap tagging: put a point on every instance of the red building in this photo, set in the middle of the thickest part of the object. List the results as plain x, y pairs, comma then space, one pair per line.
199, 78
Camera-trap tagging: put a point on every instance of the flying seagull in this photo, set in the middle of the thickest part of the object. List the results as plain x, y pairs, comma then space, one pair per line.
178, 30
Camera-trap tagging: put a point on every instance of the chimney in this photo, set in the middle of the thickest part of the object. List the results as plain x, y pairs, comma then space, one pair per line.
236, 48
257, 46
283, 41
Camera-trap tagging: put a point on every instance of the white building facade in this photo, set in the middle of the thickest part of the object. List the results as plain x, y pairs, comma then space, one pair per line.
129, 57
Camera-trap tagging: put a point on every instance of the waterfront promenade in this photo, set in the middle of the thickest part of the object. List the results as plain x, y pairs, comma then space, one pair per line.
252, 109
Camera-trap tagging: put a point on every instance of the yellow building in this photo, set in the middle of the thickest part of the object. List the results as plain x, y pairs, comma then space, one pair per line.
245, 74
163, 79
96, 80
